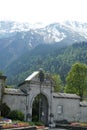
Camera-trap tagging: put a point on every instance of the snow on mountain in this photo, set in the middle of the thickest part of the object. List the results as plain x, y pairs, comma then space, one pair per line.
18, 38
78, 27
11, 26
57, 32
53, 33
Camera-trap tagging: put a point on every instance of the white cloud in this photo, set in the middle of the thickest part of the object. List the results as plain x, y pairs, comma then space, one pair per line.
43, 10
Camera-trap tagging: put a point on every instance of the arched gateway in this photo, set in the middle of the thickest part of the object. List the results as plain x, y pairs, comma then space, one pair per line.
38, 97
40, 109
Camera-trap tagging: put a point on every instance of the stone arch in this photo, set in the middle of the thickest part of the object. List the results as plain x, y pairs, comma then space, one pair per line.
40, 108
43, 93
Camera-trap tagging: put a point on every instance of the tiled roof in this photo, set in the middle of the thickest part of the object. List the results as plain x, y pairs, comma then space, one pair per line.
13, 91
65, 95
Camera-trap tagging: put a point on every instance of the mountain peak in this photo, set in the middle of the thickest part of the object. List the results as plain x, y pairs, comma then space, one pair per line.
52, 33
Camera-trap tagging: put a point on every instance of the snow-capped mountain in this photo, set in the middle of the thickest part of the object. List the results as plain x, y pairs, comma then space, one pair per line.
69, 32
11, 26
17, 38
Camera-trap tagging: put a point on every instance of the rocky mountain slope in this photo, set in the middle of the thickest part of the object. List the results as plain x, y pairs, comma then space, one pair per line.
19, 39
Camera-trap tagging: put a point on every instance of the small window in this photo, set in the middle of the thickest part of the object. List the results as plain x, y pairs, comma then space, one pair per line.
60, 109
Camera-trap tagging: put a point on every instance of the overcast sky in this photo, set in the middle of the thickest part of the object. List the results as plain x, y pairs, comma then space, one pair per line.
43, 11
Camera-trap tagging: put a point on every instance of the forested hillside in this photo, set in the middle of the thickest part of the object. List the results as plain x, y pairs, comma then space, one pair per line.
51, 58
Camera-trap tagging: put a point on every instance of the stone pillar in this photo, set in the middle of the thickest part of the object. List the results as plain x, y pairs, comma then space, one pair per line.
2, 87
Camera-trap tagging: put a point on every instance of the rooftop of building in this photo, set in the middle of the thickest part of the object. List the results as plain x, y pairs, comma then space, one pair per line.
12, 91
65, 95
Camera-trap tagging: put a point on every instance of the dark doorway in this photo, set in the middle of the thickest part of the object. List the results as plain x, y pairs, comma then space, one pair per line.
40, 109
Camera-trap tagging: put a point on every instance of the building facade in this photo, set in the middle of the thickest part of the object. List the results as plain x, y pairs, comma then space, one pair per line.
38, 101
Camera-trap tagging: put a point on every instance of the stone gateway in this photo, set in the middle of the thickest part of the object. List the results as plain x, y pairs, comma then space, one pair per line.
38, 101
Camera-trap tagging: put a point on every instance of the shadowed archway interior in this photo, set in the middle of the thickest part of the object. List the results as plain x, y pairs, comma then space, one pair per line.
40, 109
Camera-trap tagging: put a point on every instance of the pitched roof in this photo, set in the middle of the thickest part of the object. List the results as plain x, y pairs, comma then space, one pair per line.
29, 78
65, 95
32, 76
13, 91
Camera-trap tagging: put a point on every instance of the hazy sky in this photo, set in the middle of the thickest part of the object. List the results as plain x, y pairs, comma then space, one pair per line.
43, 11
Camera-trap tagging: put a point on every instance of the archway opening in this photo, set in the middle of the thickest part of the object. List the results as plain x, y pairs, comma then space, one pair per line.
40, 109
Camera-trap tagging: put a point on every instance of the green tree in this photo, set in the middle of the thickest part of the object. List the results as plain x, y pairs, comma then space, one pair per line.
1, 73
58, 83
76, 81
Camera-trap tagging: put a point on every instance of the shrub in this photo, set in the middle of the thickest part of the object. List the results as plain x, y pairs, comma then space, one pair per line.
38, 123
16, 115
4, 108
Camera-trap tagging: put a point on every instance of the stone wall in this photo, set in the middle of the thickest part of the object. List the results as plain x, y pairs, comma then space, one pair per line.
15, 102
60, 106
83, 116
66, 108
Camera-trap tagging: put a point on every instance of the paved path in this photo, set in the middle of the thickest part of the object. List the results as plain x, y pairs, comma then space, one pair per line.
56, 129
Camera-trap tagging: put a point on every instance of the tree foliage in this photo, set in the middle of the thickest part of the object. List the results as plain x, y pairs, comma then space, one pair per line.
58, 83
76, 81
51, 58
